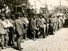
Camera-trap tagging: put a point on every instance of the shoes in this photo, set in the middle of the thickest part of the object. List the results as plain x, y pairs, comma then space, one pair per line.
21, 49
7, 46
3, 47
22, 41
26, 39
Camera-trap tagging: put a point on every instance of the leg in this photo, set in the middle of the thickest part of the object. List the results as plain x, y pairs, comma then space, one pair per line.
2, 41
19, 43
25, 33
43, 32
51, 30
6, 40
47, 29
13, 37
22, 40
34, 34
13, 40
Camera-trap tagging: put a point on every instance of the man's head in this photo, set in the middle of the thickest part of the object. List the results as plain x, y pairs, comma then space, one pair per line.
25, 15
3, 16
7, 16
17, 16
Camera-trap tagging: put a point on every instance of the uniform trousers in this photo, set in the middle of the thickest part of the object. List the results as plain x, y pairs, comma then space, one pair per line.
2, 39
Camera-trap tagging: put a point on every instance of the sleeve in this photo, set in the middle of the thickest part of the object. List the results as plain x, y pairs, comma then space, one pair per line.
10, 24
4, 24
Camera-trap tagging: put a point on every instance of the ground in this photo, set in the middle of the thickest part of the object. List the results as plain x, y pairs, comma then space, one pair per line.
57, 42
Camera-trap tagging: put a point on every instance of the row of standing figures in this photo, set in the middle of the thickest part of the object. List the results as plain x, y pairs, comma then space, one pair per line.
14, 31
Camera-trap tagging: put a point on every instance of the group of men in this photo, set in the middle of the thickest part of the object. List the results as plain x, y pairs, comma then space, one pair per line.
58, 22
13, 30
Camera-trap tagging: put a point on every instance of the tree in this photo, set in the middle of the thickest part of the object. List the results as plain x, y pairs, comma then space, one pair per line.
12, 3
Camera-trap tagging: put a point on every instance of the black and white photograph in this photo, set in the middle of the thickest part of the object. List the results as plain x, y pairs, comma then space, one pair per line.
33, 25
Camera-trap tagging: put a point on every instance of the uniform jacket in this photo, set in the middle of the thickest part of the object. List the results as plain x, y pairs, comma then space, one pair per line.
6, 23
25, 21
2, 30
41, 22
13, 23
18, 26
33, 24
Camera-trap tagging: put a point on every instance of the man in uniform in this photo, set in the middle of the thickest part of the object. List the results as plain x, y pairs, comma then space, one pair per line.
51, 26
22, 40
33, 26
43, 26
26, 23
11, 29
18, 27
6, 23
2, 34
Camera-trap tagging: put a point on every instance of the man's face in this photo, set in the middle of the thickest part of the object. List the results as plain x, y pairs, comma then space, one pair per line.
19, 17
25, 15
3, 17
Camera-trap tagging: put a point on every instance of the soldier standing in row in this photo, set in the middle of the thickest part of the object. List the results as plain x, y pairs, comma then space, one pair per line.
33, 26
19, 32
6, 23
26, 23
42, 25
11, 29
60, 22
55, 23
2, 34
51, 26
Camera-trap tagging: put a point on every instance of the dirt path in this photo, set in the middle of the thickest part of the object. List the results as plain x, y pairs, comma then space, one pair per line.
57, 42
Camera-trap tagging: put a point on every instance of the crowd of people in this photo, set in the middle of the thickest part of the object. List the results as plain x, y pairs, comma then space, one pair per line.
16, 27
